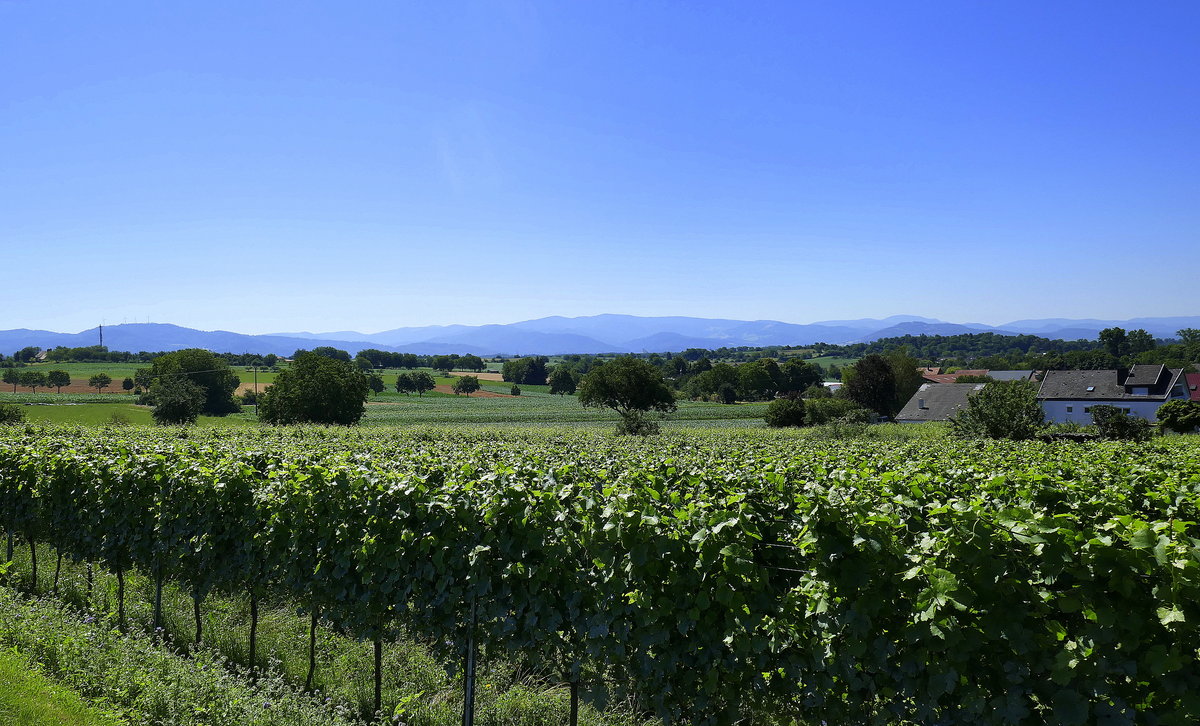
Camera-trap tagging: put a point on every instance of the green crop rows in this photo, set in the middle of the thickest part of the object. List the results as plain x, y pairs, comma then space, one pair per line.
719, 576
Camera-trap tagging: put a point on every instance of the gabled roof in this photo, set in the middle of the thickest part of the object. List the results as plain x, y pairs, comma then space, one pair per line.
1010, 375
1145, 375
1193, 385
1103, 386
937, 401
952, 377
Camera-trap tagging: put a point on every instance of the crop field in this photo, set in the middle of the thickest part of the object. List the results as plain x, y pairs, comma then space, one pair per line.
715, 577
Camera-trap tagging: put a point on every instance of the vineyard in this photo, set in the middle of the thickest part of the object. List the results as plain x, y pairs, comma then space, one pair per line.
714, 577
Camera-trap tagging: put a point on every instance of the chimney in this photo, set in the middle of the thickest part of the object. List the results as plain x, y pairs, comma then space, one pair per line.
921, 403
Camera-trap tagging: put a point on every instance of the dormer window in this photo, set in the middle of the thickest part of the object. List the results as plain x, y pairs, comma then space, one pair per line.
1141, 391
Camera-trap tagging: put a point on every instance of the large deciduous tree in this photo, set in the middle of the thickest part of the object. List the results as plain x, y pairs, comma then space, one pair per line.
176, 401
1180, 416
205, 369
33, 379
631, 387
466, 384
872, 385
316, 389
13, 377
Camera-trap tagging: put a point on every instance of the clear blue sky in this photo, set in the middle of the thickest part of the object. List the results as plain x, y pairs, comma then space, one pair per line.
284, 166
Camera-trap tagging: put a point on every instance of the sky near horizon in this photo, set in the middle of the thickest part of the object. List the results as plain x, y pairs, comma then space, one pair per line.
268, 166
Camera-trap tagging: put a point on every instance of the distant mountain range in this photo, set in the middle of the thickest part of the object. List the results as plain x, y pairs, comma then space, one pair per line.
590, 334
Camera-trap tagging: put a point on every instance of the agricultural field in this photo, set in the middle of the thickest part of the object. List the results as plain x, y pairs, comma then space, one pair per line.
699, 577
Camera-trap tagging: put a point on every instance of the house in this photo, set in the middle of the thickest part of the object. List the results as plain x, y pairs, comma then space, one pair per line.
1011, 375
1069, 395
1193, 385
936, 402
949, 377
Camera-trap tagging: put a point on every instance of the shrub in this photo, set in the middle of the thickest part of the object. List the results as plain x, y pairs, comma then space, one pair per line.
515, 390
820, 411
1002, 410
785, 412
1113, 423
1180, 416
11, 414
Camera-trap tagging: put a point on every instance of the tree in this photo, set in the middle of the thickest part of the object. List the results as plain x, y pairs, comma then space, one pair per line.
785, 412
423, 382
58, 379
526, 371
562, 381
471, 363
404, 384
466, 384
207, 370
800, 375
515, 390
1139, 341
443, 363
1189, 336
904, 372
1001, 410
1114, 341
27, 354
100, 380
818, 411
176, 401
316, 389
33, 379
631, 387
328, 351
1113, 423
872, 385
11, 375
375, 383
1180, 416
270, 360
127, 384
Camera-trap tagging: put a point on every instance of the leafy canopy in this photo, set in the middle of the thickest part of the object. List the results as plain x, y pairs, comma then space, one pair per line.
316, 389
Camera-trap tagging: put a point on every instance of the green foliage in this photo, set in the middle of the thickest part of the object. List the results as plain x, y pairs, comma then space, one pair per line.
820, 411
631, 387
1115, 424
127, 384
99, 381
33, 379
817, 391
1180, 416
562, 381
176, 401
785, 412
949, 582
205, 369
530, 371
375, 383
872, 385
11, 414
515, 390
466, 384
1001, 410
12, 377
1115, 341
28, 698
316, 389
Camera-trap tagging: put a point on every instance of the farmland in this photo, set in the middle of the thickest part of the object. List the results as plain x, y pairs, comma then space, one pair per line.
699, 577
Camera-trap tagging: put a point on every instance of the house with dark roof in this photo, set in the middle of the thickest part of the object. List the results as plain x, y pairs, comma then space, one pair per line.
1069, 395
1011, 375
936, 402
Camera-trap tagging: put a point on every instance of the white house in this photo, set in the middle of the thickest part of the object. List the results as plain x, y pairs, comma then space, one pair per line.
1069, 395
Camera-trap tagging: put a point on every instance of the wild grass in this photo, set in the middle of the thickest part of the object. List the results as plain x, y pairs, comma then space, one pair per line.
420, 689
29, 698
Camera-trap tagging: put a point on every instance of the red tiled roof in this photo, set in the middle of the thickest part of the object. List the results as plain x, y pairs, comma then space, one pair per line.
1193, 384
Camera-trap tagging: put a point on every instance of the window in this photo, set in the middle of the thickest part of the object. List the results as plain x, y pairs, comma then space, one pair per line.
1087, 409
1070, 409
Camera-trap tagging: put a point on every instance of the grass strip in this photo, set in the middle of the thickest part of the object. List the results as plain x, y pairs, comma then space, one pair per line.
28, 698
145, 682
